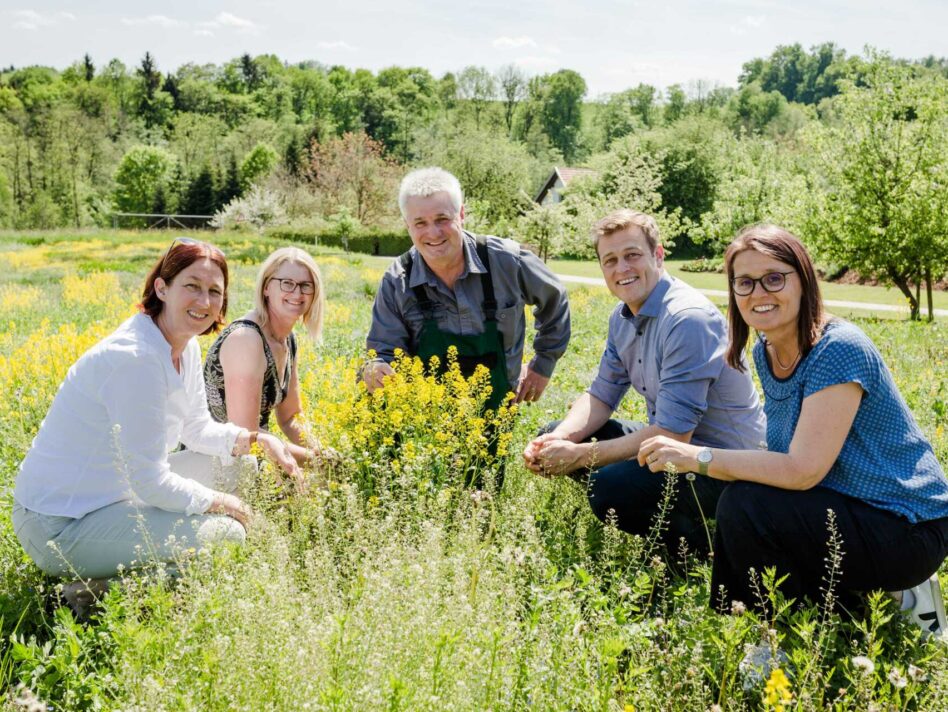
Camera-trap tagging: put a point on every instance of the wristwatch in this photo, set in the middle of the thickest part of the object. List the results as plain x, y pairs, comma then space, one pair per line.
704, 459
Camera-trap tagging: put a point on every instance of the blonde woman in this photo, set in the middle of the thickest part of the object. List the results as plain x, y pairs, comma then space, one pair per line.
250, 370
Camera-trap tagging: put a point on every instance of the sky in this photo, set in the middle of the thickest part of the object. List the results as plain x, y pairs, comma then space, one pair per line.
613, 45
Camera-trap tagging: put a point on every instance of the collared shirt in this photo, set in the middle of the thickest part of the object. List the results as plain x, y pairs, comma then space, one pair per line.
885, 460
107, 435
672, 353
519, 278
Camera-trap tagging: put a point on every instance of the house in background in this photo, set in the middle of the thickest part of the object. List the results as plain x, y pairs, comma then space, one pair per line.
550, 193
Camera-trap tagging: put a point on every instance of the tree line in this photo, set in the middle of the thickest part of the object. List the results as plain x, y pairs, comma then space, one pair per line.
848, 150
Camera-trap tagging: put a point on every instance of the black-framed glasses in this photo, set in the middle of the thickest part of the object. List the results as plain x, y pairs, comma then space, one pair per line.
770, 282
290, 285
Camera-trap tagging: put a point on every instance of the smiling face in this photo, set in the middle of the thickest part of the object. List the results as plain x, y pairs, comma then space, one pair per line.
192, 301
773, 313
436, 230
289, 306
629, 267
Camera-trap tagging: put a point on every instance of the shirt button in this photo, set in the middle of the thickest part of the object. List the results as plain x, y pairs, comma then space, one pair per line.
644, 388
640, 333
640, 360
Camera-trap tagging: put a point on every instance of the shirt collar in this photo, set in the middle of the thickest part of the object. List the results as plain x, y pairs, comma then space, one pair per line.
420, 274
653, 303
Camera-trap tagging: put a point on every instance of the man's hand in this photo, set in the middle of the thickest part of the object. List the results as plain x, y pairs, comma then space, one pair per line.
532, 385
374, 374
550, 455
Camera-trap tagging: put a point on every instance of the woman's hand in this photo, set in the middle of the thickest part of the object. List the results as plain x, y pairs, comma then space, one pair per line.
278, 453
659, 451
232, 506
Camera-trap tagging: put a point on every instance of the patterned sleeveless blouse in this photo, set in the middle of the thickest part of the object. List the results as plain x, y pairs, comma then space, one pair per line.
274, 388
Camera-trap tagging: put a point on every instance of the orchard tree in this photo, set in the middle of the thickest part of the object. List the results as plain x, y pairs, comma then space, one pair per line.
880, 204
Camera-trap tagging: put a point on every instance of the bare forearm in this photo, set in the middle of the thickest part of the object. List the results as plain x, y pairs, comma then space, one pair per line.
775, 469
585, 417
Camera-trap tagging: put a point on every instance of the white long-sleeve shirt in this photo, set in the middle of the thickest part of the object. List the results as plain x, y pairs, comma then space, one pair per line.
107, 435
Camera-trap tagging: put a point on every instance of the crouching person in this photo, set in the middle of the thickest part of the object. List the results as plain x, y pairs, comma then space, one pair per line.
667, 342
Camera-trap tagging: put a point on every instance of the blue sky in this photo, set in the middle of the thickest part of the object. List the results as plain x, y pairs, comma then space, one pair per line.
614, 45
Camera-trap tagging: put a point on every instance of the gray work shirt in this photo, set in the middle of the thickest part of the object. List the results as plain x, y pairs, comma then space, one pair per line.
519, 278
672, 353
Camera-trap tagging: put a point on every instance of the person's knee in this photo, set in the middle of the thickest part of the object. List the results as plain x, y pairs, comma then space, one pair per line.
548, 428
739, 506
220, 529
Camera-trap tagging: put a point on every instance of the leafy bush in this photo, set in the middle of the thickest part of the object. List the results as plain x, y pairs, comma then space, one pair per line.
259, 208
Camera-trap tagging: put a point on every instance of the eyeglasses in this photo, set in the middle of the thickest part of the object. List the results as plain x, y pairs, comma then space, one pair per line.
290, 285
770, 282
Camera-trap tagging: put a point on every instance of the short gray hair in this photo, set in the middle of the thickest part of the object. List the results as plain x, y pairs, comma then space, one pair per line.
427, 181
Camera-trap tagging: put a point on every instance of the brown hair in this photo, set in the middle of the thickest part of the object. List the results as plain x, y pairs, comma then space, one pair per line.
622, 219
178, 258
782, 245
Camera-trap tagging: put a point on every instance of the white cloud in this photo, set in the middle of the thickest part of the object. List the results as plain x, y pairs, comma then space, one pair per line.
337, 44
226, 19
32, 20
203, 33
514, 42
748, 22
159, 20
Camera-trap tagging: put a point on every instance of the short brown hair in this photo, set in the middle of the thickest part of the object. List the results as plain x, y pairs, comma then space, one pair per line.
622, 219
178, 258
782, 245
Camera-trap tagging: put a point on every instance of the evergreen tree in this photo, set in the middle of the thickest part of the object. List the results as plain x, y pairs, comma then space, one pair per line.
231, 186
201, 198
88, 68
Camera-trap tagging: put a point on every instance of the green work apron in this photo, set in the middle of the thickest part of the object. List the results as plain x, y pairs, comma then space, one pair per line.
485, 349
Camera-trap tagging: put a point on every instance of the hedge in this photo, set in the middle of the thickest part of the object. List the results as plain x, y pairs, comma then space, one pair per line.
385, 244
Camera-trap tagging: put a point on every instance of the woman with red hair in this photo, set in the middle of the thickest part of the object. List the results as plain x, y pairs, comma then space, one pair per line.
98, 490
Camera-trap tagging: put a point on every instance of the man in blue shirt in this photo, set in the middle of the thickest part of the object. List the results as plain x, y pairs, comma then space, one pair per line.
668, 342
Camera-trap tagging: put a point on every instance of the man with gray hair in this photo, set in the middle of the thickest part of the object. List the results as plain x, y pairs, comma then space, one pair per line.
668, 342
453, 288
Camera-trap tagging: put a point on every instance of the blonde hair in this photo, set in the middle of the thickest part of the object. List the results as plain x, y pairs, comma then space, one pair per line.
313, 317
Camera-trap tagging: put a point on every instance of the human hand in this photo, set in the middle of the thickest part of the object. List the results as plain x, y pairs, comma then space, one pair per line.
374, 374
279, 454
232, 506
532, 385
550, 455
659, 451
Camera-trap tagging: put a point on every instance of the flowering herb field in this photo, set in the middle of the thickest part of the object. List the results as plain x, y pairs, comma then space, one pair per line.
390, 585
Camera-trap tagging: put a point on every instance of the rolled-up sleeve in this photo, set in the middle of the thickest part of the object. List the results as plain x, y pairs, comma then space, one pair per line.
692, 347
546, 293
200, 432
612, 381
388, 330
135, 396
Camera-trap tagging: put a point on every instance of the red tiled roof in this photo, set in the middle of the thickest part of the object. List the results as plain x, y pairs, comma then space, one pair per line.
567, 174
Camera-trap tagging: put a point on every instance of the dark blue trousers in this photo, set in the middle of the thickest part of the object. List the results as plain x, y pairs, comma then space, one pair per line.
760, 526
633, 495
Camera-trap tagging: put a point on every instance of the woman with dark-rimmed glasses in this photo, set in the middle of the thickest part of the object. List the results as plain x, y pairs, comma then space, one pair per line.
845, 456
250, 370
98, 490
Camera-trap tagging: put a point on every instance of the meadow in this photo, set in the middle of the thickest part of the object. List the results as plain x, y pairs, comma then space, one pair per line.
390, 586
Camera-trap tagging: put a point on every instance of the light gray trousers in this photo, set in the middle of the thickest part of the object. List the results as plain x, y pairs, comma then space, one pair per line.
130, 533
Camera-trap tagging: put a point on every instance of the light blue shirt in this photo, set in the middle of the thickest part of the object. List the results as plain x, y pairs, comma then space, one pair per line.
672, 353
885, 460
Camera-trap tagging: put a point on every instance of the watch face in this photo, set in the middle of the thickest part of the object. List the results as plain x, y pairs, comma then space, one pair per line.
704, 456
